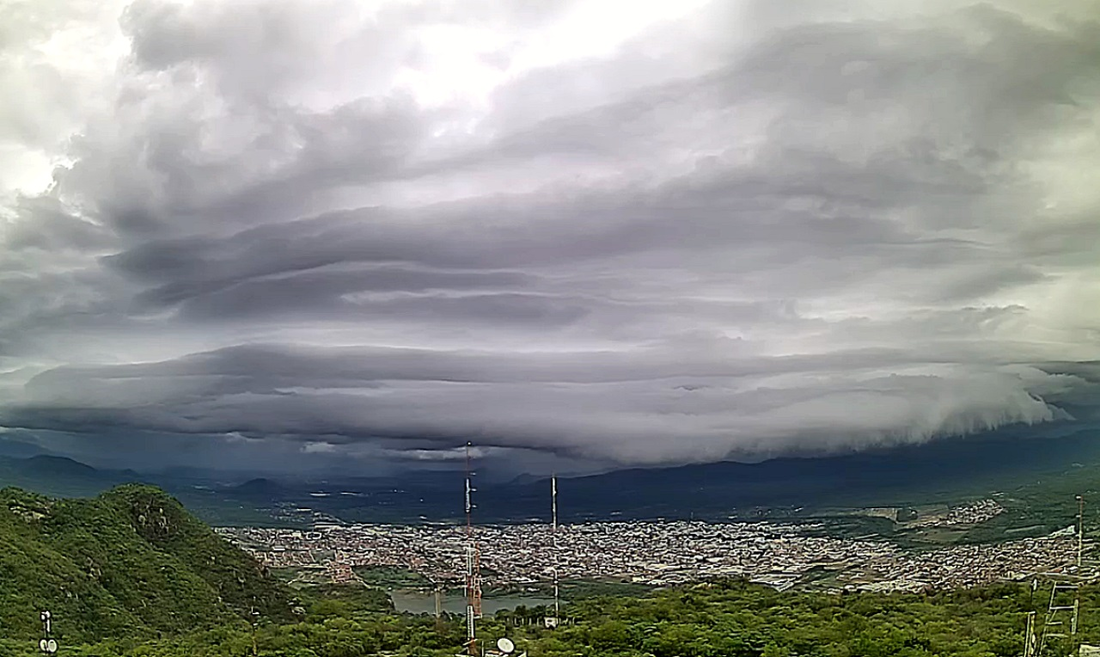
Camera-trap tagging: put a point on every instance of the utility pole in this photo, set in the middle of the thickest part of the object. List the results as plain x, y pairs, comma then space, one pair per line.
255, 622
438, 608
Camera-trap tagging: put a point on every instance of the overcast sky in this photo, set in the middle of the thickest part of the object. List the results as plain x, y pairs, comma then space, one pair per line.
579, 234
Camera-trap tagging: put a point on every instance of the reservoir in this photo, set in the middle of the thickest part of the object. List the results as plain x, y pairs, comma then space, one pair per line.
424, 603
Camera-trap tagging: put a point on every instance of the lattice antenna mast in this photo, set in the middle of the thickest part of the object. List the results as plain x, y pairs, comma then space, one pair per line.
554, 537
473, 565
1030, 643
1080, 532
1064, 608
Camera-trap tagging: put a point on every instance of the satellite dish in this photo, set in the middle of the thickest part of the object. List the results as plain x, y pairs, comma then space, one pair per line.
42, 645
51, 646
505, 644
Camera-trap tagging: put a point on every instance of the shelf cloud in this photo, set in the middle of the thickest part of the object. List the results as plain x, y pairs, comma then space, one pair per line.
615, 233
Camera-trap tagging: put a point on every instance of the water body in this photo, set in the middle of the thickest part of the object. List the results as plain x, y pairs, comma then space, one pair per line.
424, 603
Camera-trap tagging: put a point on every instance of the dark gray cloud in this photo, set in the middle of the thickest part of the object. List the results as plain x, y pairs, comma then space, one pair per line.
556, 402
719, 231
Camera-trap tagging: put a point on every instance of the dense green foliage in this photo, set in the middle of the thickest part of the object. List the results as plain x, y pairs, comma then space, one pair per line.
129, 562
706, 620
392, 577
235, 576
342, 601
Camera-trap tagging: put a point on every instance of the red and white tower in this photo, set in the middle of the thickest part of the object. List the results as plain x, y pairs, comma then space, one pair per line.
473, 566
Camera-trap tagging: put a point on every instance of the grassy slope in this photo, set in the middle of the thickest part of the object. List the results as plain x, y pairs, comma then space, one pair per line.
130, 561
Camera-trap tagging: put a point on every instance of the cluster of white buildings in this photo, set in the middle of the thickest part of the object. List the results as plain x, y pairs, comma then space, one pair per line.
969, 514
655, 553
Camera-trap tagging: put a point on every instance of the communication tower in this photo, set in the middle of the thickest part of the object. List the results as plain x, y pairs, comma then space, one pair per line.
1030, 642
1064, 607
552, 621
473, 566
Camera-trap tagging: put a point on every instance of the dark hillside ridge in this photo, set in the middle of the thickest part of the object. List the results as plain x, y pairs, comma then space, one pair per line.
261, 487
20, 449
48, 465
132, 561
59, 476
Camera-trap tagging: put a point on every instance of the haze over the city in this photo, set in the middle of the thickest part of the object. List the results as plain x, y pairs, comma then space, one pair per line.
301, 234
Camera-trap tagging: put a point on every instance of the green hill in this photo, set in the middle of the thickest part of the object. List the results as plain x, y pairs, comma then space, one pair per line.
130, 562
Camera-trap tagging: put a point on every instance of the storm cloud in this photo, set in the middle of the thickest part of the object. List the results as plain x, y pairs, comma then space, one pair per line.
617, 233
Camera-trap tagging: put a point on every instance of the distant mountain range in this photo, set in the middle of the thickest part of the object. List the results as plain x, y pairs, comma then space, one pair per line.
20, 449
60, 476
941, 470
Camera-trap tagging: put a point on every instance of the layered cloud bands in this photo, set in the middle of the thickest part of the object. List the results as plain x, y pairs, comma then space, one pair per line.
621, 233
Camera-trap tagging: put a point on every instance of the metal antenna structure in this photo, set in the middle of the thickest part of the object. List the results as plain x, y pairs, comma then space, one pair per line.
506, 648
473, 566
255, 613
1064, 607
554, 537
1080, 532
1029, 635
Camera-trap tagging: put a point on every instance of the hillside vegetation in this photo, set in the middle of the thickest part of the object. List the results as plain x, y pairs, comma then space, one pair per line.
132, 574
717, 619
131, 562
